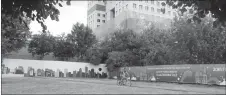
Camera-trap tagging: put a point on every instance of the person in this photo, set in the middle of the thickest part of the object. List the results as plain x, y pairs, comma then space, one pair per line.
124, 75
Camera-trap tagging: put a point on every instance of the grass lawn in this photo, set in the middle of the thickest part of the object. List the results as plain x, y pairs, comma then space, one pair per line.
41, 85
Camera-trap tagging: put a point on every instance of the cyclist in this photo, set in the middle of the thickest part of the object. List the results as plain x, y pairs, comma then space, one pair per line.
124, 75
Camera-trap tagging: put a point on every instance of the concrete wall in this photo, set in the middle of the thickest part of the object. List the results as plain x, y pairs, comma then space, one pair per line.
131, 20
54, 65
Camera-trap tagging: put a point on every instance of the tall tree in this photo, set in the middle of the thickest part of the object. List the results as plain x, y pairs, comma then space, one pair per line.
41, 45
199, 42
83, 38
64, 50
154, 49
122, 47
200, 8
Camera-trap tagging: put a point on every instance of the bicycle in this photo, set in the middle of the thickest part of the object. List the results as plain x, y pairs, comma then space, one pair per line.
124, 81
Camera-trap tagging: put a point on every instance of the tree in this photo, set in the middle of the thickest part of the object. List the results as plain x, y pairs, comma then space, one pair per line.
64, 50
43, 9
15, 19
41, 45
83, 38
154, 50
13, 34
93, 55
200, 8
199, 43
122, 47
118, 59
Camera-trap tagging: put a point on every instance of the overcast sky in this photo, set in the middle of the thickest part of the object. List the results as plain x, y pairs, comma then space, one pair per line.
69, 15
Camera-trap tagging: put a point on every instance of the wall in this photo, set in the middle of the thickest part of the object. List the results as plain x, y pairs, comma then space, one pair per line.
198, 73
130, 20
54, 65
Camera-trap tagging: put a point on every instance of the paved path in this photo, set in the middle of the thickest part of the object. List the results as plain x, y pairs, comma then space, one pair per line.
98, 86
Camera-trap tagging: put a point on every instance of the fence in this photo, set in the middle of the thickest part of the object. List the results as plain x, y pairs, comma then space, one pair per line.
198, 74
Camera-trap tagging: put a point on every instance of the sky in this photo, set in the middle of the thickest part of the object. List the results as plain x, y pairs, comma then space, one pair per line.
69, 15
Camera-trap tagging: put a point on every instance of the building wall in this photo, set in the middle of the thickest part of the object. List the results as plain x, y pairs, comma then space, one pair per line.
126, 10
121, 6
131, 20
54, 65
95, 8
93, 17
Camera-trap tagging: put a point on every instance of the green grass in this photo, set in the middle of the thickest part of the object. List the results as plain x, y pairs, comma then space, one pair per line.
34, 85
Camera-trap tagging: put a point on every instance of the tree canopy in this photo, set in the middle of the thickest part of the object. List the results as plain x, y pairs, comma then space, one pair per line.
22, 8
16, 16
200, 8
41, 45
64, 50
82, 37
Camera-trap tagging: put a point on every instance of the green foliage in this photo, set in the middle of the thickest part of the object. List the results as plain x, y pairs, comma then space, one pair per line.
64, 50
43, 9
122, 47
41, 45
155, 48
13, 34
94, 55
200, 8
199, 43
83, 38
184, 43
16, 16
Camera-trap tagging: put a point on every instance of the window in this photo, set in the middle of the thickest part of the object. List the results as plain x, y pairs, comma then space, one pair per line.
103, 21
98, 25
169, 12
140, 0
152, 9
127, 6
140, 7
116, 12
152, 2
146, 8
134, 6
146, 1
119, 4
119, 10
158, 3
103, 15
98, 14
98, 20
116, 5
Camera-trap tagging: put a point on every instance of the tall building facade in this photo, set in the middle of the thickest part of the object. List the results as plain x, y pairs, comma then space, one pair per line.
135, 15
96, 14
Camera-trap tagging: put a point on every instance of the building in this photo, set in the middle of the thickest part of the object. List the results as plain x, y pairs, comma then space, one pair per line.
96, 14
106, 16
